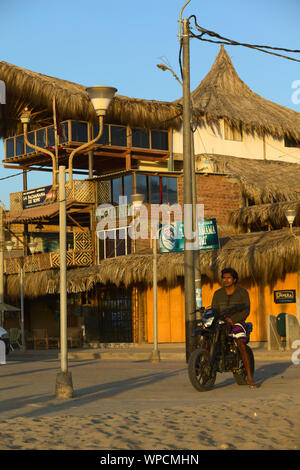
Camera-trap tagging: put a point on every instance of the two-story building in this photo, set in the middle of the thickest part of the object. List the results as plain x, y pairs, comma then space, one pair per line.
246, 153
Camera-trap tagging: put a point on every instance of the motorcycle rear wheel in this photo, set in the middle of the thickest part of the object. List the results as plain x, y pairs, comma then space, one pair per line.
241, 377
201, 375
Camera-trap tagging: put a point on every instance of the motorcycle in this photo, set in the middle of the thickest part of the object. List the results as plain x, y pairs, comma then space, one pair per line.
216, 350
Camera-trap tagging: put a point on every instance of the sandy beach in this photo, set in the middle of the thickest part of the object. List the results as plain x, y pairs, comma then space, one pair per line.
250, 424
139, 405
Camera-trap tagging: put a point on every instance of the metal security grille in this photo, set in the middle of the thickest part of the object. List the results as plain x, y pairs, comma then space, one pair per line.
111, 321
115, 315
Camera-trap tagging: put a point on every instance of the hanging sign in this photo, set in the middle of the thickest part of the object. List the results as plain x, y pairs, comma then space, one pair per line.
171, 237
36, 197
285, 296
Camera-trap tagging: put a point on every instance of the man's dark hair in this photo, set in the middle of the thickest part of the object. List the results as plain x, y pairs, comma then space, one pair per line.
231, 271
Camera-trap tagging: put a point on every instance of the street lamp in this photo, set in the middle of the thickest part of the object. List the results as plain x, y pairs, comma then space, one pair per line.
290, 215
100, 97
25, 119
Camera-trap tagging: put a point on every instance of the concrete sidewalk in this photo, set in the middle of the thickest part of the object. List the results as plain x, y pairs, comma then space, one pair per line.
142, 352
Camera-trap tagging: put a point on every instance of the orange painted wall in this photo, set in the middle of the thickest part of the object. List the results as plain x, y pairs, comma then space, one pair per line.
171, 317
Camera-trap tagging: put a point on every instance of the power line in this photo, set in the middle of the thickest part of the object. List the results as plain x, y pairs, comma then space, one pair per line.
12, 176
231, 42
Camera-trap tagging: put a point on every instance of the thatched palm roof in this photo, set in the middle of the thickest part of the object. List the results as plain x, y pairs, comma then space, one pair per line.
258, 257
222, 94
36, 91
262, 181
261, 215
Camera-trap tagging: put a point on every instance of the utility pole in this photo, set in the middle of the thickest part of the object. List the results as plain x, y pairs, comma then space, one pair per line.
197, 267
189, 272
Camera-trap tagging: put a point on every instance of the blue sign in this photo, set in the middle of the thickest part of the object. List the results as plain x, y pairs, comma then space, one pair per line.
171, 237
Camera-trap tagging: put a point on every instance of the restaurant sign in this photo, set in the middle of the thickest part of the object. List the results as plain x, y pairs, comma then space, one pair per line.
285, 296
171, 237
36, 197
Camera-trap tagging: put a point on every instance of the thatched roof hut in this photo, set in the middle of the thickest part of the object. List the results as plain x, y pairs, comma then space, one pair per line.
36, 91
222, 94
261, 257
261, 181
262, 215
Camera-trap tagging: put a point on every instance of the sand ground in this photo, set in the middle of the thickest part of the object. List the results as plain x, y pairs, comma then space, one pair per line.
138, 405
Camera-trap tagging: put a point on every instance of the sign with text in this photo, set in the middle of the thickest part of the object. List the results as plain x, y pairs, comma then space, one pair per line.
36, 197
171, 237
285, 296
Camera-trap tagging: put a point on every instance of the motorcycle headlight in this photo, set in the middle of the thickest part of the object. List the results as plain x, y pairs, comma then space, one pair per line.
208, 321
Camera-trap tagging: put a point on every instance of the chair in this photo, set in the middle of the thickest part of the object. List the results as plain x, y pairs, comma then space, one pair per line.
75, 336
14, 336
40, 338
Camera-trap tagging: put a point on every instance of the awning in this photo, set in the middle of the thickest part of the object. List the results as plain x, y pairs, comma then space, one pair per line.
34, 214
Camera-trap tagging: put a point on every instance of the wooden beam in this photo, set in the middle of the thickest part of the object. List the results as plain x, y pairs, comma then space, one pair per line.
20, 167
75, 222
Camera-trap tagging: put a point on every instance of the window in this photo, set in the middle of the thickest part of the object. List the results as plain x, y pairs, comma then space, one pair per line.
20, 145
118, 136
31, 140
157, 189
116, 243
140, 138
232, 132
116, 190
50, 136
159, 140
41, 138
172, 190
79, 131
290, 142
121, 187
10, 148
142, 185
104, 139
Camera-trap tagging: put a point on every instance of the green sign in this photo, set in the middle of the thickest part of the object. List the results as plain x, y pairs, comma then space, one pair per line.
171, 237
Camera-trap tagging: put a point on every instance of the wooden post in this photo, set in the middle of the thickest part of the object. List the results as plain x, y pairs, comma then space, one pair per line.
22, 304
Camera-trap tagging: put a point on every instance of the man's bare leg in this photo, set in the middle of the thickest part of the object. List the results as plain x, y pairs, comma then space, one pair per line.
246, 361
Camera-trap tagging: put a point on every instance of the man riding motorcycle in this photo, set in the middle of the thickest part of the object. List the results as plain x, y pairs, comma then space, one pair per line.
230, 295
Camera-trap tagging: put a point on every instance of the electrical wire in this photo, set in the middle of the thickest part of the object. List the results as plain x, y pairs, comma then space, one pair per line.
230, 42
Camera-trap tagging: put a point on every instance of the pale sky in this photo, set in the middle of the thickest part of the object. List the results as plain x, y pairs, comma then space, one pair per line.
119, 43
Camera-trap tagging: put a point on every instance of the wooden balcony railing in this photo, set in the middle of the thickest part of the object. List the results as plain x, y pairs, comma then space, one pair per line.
44, 261
79, 191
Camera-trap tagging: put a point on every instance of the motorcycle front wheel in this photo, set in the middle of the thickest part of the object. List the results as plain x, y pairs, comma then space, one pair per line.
240, 377
200, 373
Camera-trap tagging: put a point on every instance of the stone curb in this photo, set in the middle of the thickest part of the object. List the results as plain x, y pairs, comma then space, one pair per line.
135, 355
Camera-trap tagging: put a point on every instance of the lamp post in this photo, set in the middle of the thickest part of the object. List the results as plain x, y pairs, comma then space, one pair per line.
25, 119
137, 200
155, 356
290, 215
101, 98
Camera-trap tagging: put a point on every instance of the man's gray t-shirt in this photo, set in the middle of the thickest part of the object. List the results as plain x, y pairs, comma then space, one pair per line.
221, 301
